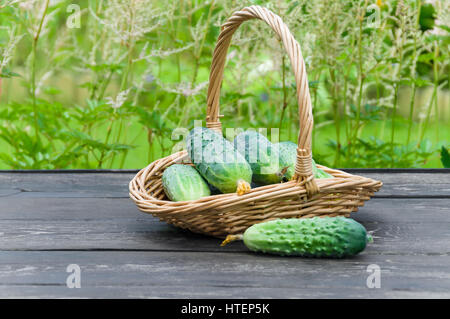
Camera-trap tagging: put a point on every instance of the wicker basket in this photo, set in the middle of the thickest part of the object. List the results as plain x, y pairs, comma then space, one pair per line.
304, 196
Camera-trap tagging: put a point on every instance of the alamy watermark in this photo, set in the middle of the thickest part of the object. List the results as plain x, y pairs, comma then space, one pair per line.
374, 279
74, 19
74, 279
374, 16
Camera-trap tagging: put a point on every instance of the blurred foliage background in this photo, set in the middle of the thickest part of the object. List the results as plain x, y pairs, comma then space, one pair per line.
102, 84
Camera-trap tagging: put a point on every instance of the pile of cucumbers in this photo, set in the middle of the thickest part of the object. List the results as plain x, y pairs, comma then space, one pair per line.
221, 166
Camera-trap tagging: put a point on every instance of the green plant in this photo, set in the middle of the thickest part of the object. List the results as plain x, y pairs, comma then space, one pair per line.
135, 70
445, 157
375, 153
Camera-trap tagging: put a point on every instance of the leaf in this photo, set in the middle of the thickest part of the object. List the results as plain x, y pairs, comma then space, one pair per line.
366, 145
445, 157
105, 66
120, 147
8, 74
313, 84
427, 16
425, 147
51, 90
7, 159
422, 82
444, 27
436, 37
86, 85
425, 58
292, 6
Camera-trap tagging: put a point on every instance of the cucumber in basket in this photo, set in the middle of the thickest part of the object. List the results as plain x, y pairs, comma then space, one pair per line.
218, 162
288, 157
201, 136
183, 182
261, 155
332, 237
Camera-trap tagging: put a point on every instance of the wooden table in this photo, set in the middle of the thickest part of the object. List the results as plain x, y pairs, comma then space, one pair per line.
49, 220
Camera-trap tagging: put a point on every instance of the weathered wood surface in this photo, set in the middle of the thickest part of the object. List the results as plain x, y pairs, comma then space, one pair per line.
218, 275
116, 224
51, 220
115, 184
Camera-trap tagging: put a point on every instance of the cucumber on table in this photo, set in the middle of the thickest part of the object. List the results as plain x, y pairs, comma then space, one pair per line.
183, 182
261, 155
218, 162
330, 237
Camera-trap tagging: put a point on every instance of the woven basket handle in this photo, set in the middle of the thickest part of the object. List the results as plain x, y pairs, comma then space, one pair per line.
303, 167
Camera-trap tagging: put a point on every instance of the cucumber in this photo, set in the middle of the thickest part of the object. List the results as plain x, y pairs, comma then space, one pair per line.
332, 237
199, 137
261, 155
320, 173
288, 157
218, 162
183, 182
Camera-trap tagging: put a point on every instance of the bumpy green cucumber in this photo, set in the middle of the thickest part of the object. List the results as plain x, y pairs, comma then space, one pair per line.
320, 173
262, 157
218, 162
332, 237
183, 182
201, 136
288, 157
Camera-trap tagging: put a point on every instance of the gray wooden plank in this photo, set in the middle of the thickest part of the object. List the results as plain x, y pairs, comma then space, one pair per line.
389, 238
79, 209
30, 208
412, 184
190, 293
64, 184
200, 292
141, 292
399, 226
217, 275
420, 184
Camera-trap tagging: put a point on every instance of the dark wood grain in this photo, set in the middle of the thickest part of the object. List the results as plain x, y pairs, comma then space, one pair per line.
115, 185
218, 275
406, 226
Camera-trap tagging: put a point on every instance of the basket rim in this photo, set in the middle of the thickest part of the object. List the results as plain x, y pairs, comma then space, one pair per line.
340, 182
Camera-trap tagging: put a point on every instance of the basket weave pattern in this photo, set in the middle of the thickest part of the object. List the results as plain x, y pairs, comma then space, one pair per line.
304, 196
